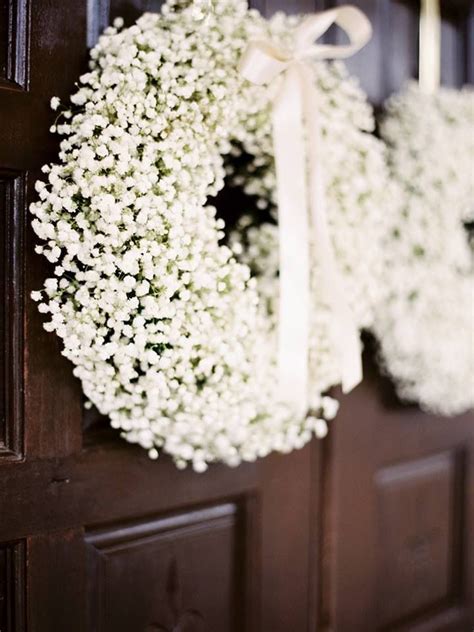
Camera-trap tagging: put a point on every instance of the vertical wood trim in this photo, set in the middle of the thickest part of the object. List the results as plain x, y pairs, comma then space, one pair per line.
250, 561
12, 586
12, 409
56, 582
326, 548
18, 45
317, 578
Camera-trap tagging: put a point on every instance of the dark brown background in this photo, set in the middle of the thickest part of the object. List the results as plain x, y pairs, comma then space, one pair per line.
370, 530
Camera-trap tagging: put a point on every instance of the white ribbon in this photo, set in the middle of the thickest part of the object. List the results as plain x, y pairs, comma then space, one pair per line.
298, 160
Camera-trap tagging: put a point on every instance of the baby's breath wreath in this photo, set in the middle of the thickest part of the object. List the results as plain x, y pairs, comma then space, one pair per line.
162, 324
425, 324
358, 192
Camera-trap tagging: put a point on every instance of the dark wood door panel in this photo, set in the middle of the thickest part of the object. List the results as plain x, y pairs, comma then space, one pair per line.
107, 487
400, 516
44, 51
176, 572
419, 535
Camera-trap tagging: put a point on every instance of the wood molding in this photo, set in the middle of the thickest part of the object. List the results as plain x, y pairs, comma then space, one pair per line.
14, 45
12, 204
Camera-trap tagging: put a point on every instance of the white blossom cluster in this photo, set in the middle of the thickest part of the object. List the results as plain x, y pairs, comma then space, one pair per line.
426, 323
358, 192
160, 321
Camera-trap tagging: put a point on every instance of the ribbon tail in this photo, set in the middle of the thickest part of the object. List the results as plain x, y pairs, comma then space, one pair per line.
294, 302
344, 332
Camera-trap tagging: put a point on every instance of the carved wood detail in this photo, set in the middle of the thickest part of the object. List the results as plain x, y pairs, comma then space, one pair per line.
173, 573
12, 192
419, 538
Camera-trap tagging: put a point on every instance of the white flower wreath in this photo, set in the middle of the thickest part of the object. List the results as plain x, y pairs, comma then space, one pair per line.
425, 324
358, 191
161, 322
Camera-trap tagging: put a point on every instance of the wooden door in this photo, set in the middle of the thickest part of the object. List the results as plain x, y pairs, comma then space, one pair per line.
93, 535
398, 548
369, 530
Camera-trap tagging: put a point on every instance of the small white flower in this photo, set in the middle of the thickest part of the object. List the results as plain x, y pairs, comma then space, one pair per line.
55, 103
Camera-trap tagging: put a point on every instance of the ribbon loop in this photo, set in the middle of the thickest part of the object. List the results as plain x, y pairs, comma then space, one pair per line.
301, 197
350, 19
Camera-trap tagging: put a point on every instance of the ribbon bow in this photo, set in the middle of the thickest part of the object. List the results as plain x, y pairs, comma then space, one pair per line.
301, 197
